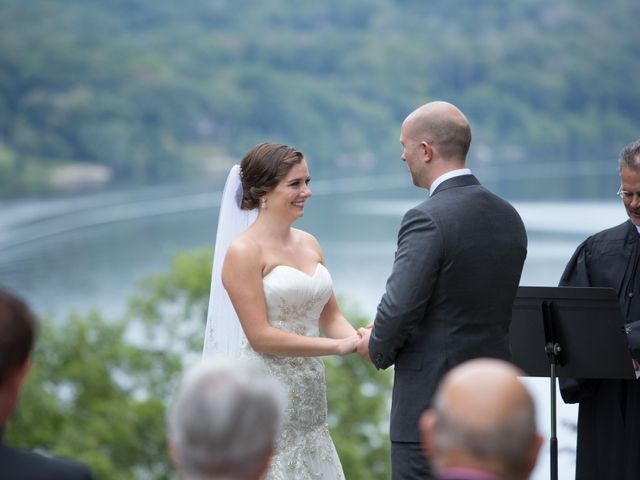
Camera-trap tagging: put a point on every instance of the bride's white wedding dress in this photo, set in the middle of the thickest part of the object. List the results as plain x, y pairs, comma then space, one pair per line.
304, 449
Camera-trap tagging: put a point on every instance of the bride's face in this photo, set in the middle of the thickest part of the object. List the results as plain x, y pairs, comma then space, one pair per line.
290, 194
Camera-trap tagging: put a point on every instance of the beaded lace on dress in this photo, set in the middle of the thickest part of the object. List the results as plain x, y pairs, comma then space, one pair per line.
304, 449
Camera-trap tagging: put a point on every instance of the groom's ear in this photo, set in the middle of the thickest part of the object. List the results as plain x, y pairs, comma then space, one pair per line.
428, 422
427, 150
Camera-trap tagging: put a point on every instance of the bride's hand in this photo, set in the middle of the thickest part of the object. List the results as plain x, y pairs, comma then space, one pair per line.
348, 345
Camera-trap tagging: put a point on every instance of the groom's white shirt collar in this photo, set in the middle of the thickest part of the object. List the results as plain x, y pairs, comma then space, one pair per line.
447, 176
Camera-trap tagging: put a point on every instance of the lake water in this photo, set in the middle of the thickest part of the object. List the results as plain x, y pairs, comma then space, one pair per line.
89, 251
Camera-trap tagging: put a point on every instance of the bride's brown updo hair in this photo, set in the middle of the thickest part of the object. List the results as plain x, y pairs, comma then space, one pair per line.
262, 168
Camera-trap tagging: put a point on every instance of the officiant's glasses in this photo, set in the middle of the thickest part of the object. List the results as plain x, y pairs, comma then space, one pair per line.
626, 195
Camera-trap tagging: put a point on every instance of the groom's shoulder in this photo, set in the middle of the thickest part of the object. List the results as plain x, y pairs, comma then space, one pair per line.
422, 212
430, 204
417, 208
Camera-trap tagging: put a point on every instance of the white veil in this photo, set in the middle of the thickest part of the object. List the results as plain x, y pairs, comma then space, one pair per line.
223, 334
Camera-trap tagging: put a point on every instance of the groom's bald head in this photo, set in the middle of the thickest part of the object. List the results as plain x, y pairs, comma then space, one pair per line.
443, 125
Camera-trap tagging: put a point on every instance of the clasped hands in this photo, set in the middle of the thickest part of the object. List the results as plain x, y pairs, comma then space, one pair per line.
362, 347
356, 343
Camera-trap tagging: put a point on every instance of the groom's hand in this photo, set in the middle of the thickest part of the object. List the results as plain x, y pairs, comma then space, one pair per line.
363, 345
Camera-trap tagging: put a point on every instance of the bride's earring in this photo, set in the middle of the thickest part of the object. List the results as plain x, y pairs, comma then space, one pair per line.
263, 203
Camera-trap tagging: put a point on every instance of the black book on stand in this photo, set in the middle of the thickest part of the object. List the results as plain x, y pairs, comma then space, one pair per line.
568, 332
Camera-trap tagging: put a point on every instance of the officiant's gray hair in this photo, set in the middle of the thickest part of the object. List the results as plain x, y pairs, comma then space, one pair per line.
224, 419
630, 156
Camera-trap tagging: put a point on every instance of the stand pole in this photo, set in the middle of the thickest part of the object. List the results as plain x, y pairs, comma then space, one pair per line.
553, 441
552, 349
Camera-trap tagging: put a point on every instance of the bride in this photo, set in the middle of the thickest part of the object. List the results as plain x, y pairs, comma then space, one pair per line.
282, 293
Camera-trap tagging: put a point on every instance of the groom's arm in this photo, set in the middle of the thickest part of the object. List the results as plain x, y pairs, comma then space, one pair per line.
409, 288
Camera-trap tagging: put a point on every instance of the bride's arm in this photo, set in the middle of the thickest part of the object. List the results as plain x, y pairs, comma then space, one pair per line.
242, 278
332, 322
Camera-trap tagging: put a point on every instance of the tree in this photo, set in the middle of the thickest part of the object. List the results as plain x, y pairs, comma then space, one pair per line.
159, 91
95, 396
99, 389
358, 412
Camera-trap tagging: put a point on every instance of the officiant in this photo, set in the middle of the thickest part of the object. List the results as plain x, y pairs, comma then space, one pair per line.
609, 413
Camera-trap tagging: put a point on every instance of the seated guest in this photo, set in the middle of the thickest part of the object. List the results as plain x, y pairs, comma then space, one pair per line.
482, 424
17, 334
224, 421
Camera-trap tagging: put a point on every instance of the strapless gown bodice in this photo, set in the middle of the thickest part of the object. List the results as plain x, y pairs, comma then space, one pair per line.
295, 299
304, 450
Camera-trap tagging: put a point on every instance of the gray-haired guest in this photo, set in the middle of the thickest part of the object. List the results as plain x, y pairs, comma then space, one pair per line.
224, 420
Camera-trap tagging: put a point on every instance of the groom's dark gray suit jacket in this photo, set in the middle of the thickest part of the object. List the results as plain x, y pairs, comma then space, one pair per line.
449, 297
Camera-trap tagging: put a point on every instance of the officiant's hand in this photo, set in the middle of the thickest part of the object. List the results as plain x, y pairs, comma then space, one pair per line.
363, 344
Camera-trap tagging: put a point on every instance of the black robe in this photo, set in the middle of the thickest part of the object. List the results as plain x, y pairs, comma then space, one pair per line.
609, 414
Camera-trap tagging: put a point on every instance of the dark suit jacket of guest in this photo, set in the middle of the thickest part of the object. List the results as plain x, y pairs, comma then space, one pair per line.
18, 464
449, 297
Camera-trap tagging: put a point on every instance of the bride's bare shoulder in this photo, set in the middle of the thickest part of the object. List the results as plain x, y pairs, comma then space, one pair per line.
244, 250
307, 240
303, 236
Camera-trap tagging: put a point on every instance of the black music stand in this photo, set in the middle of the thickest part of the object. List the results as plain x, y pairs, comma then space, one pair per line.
568, 332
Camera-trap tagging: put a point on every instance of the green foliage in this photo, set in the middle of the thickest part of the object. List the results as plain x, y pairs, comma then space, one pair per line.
144, 87
182, 293
99, 389
7, 166
359, 411
94, 396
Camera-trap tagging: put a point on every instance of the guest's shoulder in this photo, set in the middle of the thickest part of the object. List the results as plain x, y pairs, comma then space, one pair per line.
21, 464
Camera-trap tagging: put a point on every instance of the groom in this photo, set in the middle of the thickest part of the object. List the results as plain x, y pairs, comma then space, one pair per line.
456, 271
